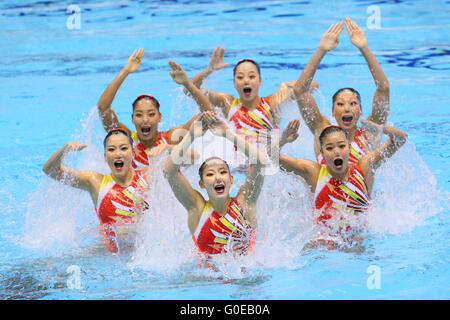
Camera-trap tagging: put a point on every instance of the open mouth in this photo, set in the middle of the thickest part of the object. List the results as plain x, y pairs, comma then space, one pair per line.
118, 164
146, 130
338, 163
347, 120
247, 91
220, 188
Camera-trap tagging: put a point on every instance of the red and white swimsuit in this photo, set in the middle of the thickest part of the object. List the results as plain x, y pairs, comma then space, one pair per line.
257, 124
118, 206
230, 232
358, 148
350, 197
141, 152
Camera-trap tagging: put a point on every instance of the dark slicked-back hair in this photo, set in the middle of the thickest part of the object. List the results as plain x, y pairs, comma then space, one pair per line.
247, 60
355, 92
147, 97
202, 167
330, 129
117, 131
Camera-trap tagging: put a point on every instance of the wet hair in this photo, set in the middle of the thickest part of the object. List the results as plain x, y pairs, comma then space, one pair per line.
247, 60
147, 97
116, 131
202, 167
356, 93
330, 129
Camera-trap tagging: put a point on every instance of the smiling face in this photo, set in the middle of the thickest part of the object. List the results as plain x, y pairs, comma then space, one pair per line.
216, 179
247, 81
146, 118
346, 109
336, 151
118, 154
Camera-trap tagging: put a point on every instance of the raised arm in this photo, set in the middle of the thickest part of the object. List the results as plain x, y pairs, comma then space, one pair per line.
286, 91
216, 63
180, 77
289, 134
219, 99
380, 104
177, 133
107, 114
305, 168
85, 180
249, 192
373, 160
306, 103
190, 198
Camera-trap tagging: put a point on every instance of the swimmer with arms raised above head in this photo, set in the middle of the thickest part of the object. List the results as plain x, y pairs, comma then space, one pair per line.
341, 189
221, 223
253, 116
118, 197
147, 139
347, 108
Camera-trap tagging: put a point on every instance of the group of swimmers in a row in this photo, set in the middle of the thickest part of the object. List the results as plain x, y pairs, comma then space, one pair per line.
341, 178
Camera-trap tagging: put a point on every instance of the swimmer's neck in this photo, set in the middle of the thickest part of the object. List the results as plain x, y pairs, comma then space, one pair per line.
352, 133
250, 104
125, 179
342, 177
150, 142
220, 205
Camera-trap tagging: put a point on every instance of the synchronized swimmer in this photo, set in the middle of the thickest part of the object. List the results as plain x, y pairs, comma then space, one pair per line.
347, 107
340, 180
252, 116
119, 197
148, 141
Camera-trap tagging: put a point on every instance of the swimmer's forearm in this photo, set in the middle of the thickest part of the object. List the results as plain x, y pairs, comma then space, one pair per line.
374, 159
53, 166
378, 75
380, 106
108, 95
304, 81
177, 156
201, 100
250, 150
198, 79
107, 115
397, 136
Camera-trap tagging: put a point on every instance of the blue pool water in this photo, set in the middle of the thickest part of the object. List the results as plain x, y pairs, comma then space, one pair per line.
52, 76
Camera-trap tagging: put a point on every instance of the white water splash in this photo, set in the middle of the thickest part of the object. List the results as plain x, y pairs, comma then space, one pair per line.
55, 211
405, 194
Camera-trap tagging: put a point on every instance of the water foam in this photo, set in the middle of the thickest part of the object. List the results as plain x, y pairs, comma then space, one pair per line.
404, 195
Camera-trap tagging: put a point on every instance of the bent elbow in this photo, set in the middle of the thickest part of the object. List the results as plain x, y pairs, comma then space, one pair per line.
186, 92
168, 169
400, 140
300, 88
383, 85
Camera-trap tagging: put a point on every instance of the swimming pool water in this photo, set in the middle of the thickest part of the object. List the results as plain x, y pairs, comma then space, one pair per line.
51, 78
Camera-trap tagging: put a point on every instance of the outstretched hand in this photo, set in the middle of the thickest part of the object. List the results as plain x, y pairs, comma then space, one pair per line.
330, 38
177, 73
217, 125
290, 133
216, 62
199, 126
357, 37
134, 61
74, 146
